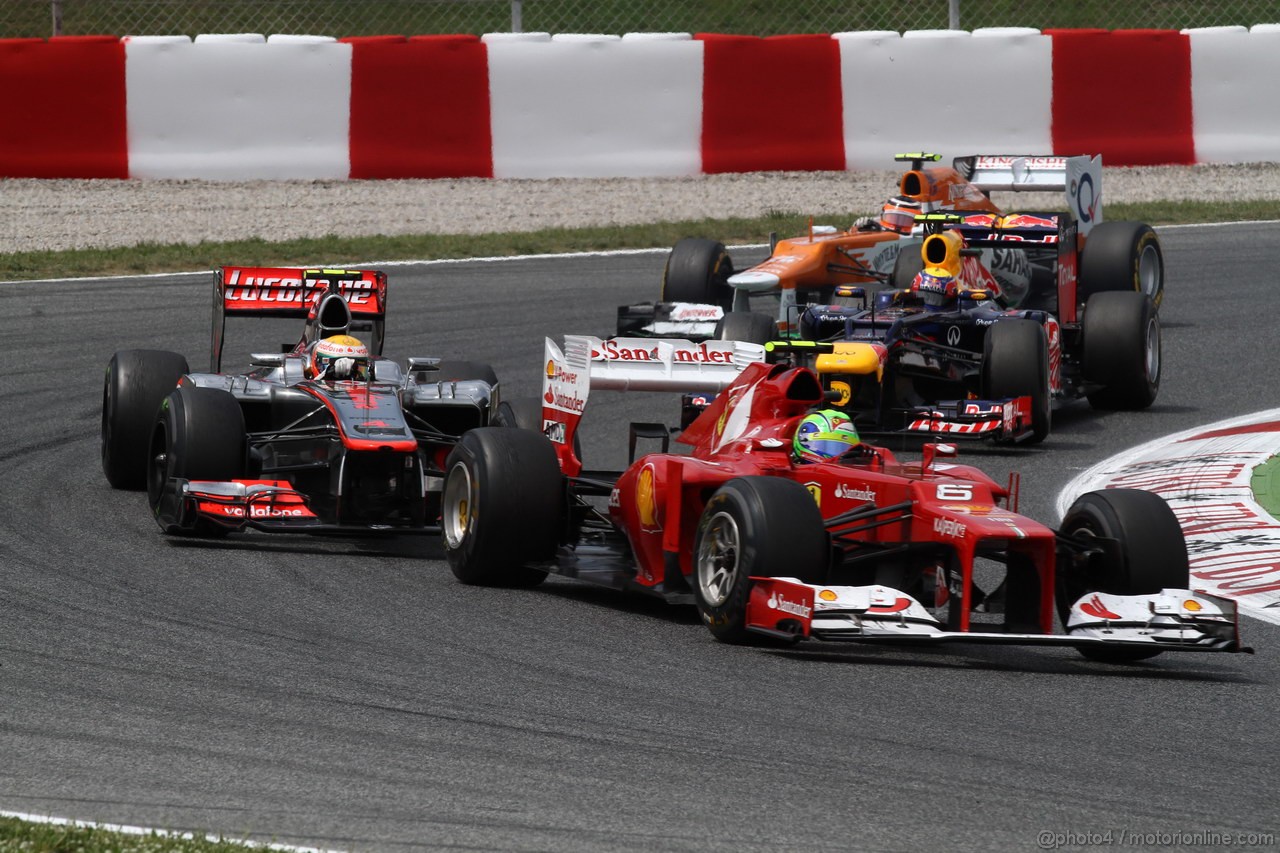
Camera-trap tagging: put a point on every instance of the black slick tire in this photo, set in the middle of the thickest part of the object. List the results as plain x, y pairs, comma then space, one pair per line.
762, 526
1122, 256
503, 506
199, 434
1121, 344
137, 380
698, 271
1144, 552
748, 326
1015, 363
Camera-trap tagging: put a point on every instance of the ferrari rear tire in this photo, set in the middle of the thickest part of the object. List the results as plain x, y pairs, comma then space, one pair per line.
1122, 256
503, 507
698, 271
748, 326
762, 526
1016, 364
198, 435
1149, 554
137, 380
1121, 343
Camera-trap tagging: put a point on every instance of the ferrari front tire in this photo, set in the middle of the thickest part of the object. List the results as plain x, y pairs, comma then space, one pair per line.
1142, 551
762, 526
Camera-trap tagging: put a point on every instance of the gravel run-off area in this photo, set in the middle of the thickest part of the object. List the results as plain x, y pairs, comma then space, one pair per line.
65, 214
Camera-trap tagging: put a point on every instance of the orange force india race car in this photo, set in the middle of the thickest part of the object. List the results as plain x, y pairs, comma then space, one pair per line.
854, 546
322, 436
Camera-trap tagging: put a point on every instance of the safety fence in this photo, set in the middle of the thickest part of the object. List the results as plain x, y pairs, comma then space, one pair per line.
42, 18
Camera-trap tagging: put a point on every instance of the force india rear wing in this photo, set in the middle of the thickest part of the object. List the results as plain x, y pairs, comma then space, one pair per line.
284, 292
1079, 179
629, 364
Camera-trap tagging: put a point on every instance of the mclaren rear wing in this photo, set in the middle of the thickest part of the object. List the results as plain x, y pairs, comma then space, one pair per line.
284, 292
629, 364
1079, 179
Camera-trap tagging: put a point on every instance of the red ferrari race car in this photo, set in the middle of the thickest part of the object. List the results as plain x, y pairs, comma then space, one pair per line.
1043, 260
780, 523
322, 436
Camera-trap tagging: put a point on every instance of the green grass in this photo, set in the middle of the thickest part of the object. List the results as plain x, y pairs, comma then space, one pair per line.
758, 17
20, 836
155, 258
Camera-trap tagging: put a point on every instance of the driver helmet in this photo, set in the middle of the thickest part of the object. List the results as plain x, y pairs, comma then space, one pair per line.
825, 434
339, 357
899, 214
937, 288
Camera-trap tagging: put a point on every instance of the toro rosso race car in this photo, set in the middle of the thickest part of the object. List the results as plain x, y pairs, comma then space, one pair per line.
325, 436
855, 547
951, 355
1042, 260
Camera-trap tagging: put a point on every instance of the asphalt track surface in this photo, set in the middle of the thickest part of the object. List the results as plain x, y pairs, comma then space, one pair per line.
351, 694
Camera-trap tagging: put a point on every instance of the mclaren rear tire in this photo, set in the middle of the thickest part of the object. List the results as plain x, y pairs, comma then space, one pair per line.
763, 526
503, 507
137, 380
1149, 554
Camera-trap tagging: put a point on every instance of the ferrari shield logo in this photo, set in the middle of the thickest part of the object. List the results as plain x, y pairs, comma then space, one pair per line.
814, 489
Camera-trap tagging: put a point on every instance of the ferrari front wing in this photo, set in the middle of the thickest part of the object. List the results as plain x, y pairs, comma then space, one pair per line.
1172, 620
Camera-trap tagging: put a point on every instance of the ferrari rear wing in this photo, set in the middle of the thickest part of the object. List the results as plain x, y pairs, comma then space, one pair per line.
286, 292
629, 364
1079, 179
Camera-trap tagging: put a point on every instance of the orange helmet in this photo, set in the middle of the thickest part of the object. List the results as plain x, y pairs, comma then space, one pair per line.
899, 214
333, 353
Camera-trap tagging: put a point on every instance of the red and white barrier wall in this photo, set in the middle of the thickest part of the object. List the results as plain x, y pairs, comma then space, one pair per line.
643, 104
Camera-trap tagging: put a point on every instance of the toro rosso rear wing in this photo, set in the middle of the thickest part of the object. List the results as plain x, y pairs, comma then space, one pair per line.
1079, 179
281, 292
629, 364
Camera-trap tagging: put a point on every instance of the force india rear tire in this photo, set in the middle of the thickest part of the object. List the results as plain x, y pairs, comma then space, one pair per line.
1015, 363
908, 264
750, 327
503, 507
698, 271
198, 435
762, 526
1150, 554
1123, 256
136, 382
1121, 343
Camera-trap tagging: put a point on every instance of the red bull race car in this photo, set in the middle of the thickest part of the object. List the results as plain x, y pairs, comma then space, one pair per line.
1051, 260
324, 436
854, 547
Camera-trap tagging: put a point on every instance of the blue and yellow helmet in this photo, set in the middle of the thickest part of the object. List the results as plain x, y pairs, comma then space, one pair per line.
826, 434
